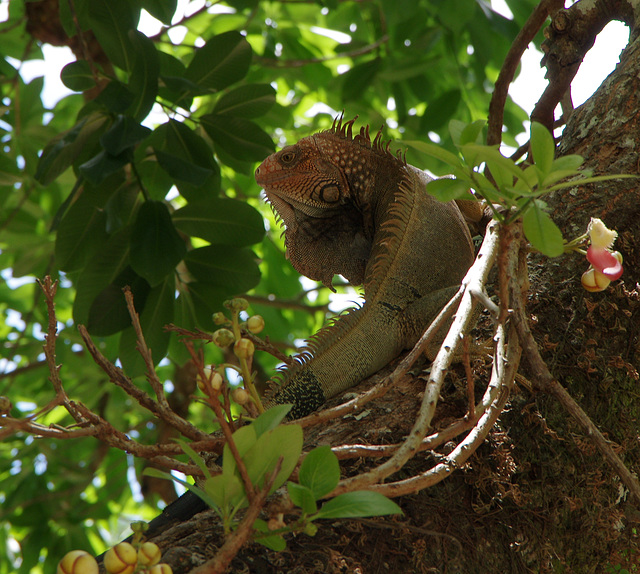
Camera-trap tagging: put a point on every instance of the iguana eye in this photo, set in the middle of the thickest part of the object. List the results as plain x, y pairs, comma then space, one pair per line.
287, 157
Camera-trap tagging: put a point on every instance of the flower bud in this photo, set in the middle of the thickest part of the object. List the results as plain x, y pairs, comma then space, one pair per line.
255, 324
121, 559
240, 396
243, 348
77, 562
216, 381
149, 554
238, 304
223, 338
219, 318
160, 569
594, 281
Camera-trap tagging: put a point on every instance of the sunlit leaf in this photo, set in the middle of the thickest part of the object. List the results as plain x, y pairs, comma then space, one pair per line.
222, 61
361, 503
541, 231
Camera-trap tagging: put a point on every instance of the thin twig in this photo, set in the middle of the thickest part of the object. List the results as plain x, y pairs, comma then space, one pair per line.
511, 63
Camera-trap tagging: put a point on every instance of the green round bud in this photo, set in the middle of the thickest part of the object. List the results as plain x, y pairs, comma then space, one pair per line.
243, 348
255, 324
216, 381
219, 318
310, 529
223, 338
240, 396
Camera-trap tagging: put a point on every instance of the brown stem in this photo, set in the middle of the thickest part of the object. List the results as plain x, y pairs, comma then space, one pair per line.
510, 65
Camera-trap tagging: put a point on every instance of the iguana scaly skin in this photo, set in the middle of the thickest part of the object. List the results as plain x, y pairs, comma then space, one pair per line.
351, 207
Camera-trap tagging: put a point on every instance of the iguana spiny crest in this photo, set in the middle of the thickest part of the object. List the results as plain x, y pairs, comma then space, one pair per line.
331, 190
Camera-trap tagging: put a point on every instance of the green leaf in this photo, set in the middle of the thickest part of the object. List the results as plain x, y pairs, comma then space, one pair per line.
320, 471
108, 313
446, 189
221, 220
567, 162
270, 419
157, 473
222, 61
543, 148
65, 148
244, 438
440, 110
472, 133
116, 97
242, 139
359, 504
81, 232
101, 270
359, 78
435, 151
284, 441
227, 492
200, 300
302, 497
274, 542
248, 101
77, 76
594, 179
187, 158
111, 21
541, 231
163, 10
180, 170
233, 268
194, 456
122, 135
102, 165
143, 83
156, 246
157, 312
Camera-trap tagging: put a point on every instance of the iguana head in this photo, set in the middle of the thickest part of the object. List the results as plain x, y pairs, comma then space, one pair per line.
326, 188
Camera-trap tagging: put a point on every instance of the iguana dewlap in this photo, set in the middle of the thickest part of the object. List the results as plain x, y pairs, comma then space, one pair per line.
351, 207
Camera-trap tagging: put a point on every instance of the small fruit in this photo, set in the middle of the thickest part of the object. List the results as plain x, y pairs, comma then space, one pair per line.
223, 338
160, 569
77, 562
243, 348
121, 559
149, 554
240, 396
255, 324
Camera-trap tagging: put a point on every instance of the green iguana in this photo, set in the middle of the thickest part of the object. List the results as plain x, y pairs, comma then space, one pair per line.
351, 207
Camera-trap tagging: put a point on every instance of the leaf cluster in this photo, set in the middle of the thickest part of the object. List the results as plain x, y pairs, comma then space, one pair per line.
512, 190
